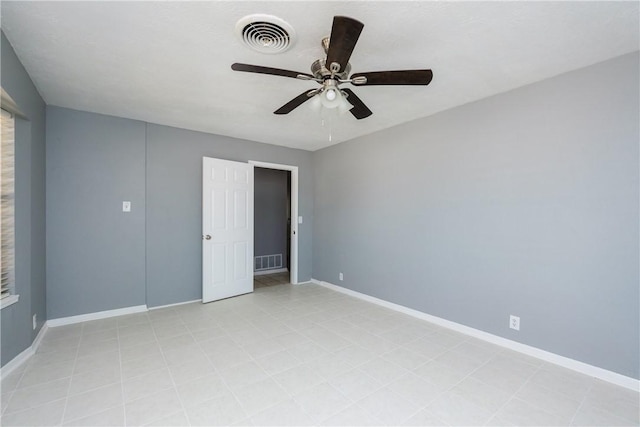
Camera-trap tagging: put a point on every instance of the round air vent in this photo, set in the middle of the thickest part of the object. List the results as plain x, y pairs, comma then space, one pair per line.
265, 33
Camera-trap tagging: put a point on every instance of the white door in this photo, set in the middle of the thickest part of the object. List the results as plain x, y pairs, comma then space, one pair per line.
227, 229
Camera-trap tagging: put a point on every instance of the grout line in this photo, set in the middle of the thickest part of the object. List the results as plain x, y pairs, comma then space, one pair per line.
175, 387
75, 361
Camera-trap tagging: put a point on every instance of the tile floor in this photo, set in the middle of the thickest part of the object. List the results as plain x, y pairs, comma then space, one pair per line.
294, 355
264, 280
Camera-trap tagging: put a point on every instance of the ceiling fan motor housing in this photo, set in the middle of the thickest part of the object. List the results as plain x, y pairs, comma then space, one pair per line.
319, 70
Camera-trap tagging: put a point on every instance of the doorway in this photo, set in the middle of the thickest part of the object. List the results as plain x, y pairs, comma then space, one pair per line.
276, 223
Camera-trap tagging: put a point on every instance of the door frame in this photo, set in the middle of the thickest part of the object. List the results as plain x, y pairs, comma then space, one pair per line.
293, 267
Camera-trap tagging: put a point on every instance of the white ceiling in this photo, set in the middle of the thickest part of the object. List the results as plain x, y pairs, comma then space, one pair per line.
169, 62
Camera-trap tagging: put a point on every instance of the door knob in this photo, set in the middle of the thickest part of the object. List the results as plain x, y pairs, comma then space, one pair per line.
207, 237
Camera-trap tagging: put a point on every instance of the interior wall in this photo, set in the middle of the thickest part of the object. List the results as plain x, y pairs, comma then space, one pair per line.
270, 219
174, 206
16, 320
95, 252
525, 203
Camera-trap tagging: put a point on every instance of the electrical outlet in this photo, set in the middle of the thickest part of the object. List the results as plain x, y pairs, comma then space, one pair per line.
514, 322
35, 321
126, 206
341, 276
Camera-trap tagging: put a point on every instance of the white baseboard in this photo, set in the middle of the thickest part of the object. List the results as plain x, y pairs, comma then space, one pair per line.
157, 307
40, 336
556, 359
21, 358
272, 271
95, 316
16, 362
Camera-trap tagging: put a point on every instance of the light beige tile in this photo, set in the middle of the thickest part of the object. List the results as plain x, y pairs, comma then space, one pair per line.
98, 336
140, 350
201, 389
353, 415
49, 414
87, 349
277, 362
42, 374
110, 417
263, 348
93, 379
521, 413
321, 402
307, 351
260, 396
459, 362
136, 367
558, 404
388, 406
177, 419
11, 381
99, 325
482, 394
176, 342
221, 411
297, 379
426, 348
153, 407
356, 354
383, 370
30, 397
506, 373
424, 418
187, 354
330, 365
147, 384
98, 361
168, 331
406, 358
355, 384
415, 389
92, 402
243, 374
592, 416
614, 399
455, 410
563, 381
191, 371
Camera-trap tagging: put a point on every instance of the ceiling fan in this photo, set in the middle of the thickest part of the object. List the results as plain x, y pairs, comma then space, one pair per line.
333, 71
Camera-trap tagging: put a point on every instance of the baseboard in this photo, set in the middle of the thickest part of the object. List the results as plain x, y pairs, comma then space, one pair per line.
40, 336
157, 307
96, 316
272, 271
556, 359
17, 361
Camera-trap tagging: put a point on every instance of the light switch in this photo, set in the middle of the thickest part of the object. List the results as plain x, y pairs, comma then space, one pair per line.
126, 206
300, 220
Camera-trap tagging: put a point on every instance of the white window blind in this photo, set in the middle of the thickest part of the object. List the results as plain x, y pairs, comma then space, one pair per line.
7, 197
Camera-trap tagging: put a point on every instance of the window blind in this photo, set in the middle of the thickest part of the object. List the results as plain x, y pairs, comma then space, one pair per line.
7, 205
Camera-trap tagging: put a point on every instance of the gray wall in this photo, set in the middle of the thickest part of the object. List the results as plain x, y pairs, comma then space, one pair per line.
271, 207
17, 333
100, 258
95, 252
525, 203
174, 206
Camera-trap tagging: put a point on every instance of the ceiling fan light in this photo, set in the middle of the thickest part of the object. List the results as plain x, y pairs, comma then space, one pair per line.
315, 103
330, 98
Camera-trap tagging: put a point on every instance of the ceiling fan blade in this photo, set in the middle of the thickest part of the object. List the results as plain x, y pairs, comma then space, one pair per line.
343, 39
267, 70
403, 77
294, 103
359, 110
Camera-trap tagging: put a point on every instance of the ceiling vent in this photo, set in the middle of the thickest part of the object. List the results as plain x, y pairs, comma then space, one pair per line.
265, 33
